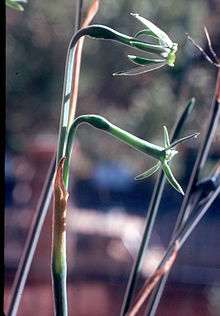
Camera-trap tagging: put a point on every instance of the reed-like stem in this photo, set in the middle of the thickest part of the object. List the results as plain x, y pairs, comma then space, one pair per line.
209, 188
31, 243
185, 211
59, 266
182, 237
58, 256
68, 109
151, 215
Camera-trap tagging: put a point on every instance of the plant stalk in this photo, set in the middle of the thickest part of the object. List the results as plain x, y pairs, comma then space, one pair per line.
31, 243
184, 211
151, 215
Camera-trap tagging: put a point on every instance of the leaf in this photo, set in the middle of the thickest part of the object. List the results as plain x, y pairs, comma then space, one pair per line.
166, 139
144, 61
164, 38
170, 177
149, 172
139, 70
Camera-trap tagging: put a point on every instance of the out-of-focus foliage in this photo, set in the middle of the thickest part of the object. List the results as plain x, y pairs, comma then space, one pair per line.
37, 42
14, 4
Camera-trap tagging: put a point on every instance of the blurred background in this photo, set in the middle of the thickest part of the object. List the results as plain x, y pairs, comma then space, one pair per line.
107, 207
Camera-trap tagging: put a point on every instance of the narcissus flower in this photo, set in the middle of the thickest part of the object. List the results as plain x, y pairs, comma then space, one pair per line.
166, 49
163, 49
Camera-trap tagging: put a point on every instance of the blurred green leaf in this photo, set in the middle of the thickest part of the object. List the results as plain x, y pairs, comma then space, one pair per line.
13, 4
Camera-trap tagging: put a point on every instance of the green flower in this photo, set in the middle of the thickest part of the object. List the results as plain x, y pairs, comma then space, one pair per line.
163, 154
164, 48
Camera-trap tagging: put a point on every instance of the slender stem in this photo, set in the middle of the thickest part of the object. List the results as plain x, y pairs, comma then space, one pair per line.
188, 228
58, 256
151, 216
78, 16
59, 266
185, 211
214, 56
92, 11
182, 237
150, 219
31, 243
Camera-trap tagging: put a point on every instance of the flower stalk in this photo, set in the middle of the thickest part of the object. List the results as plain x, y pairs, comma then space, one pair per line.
70, 93
59, 267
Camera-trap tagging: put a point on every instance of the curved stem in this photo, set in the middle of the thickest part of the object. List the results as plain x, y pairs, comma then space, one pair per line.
99, 32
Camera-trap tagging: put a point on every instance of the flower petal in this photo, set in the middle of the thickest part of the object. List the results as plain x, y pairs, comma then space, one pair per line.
139, 70
145, 61
170, 177
164, 38
166, 139
149, 172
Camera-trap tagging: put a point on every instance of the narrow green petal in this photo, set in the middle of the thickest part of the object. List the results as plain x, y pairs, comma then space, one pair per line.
145, 61
170, 177
166, 139
181, 140
149, 172
139, 70
150, 48
164, 38
147, 33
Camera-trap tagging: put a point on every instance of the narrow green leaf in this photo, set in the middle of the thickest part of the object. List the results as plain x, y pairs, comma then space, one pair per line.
183, 117
149, 172
170, 177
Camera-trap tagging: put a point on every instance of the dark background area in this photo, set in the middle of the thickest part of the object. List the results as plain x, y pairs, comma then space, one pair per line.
106, 206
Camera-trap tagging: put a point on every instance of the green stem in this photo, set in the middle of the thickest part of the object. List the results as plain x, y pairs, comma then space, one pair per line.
59, 267
65, 146
99, 31
58, 264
